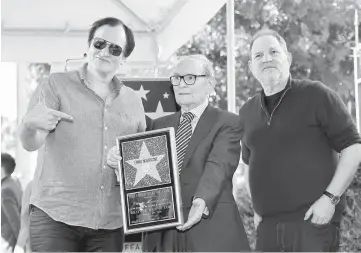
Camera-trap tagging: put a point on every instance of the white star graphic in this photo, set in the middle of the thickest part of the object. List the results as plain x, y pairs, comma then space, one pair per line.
158, 113
142, 93
145, 165
165, 95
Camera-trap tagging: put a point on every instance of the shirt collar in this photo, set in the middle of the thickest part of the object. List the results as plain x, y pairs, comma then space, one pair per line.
82, 73
198, 111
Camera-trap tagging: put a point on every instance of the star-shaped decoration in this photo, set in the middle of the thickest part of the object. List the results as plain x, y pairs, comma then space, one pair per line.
145, 165
158, 113
142, 93
165, 95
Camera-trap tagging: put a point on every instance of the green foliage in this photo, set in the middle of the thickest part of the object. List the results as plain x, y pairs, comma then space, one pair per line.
319, 35
8, 135
351, 222
245, 208
38, 71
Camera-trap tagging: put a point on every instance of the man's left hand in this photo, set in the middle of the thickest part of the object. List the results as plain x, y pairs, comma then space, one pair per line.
195, 214
322, 211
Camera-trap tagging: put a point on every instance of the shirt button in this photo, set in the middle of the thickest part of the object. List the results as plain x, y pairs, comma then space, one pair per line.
102, 187
106, 128
104, 166
105, 147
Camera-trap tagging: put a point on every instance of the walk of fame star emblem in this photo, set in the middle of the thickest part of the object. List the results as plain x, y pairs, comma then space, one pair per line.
150, 192
146, 163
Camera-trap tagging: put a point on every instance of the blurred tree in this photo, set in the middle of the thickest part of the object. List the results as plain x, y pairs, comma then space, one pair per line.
36, 73
8, 135
319, 34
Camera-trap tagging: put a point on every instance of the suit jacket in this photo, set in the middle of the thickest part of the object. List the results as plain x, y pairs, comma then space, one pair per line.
11, 194
211, 159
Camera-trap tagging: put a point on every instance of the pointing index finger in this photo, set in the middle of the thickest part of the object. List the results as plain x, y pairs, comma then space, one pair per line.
62, 115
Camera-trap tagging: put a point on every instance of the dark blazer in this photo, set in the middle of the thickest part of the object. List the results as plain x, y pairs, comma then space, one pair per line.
210, 161
11, 194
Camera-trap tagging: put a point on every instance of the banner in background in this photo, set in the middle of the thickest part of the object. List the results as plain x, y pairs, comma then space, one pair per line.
157, 95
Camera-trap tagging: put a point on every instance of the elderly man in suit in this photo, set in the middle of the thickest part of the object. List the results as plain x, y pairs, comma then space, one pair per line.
11, 194
208, 151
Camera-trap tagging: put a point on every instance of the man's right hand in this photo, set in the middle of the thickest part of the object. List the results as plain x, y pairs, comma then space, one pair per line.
257, 220
113, 158
43, 118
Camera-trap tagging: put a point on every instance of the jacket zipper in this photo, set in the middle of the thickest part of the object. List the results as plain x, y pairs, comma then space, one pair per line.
274, 109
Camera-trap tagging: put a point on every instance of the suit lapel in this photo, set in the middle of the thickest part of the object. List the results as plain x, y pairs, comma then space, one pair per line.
204, 125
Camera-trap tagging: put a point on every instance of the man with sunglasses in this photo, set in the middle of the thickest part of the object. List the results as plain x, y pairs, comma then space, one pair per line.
76, 116
208, 152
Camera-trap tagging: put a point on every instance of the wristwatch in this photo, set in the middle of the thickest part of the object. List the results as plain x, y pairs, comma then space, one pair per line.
334, 199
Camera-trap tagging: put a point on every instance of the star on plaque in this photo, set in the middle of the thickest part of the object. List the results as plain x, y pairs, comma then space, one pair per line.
142, 93
145, 165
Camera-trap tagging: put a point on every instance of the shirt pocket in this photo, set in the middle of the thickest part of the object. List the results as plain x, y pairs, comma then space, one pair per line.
127, 123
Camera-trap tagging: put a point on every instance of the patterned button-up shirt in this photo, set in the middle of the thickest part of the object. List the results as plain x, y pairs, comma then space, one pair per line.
73, 183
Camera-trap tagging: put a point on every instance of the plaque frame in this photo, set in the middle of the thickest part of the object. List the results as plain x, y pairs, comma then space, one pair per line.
172, 186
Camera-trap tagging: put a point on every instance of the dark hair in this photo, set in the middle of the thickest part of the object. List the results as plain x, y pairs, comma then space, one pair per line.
8, 163
129, 47
265, 32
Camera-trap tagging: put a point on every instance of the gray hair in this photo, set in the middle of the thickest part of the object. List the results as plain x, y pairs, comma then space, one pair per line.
265, 32
206, 64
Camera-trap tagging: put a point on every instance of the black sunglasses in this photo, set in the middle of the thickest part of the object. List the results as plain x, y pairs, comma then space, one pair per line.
114, 49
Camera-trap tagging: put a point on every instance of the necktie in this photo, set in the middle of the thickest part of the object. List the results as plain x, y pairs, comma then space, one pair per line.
182, 137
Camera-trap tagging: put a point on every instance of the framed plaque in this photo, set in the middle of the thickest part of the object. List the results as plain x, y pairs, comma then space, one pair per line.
149, 181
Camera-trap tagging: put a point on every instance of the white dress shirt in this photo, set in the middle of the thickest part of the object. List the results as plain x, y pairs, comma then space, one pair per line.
198, 111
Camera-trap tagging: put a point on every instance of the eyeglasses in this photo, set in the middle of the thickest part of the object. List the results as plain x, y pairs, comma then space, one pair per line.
188, 79
114, 49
